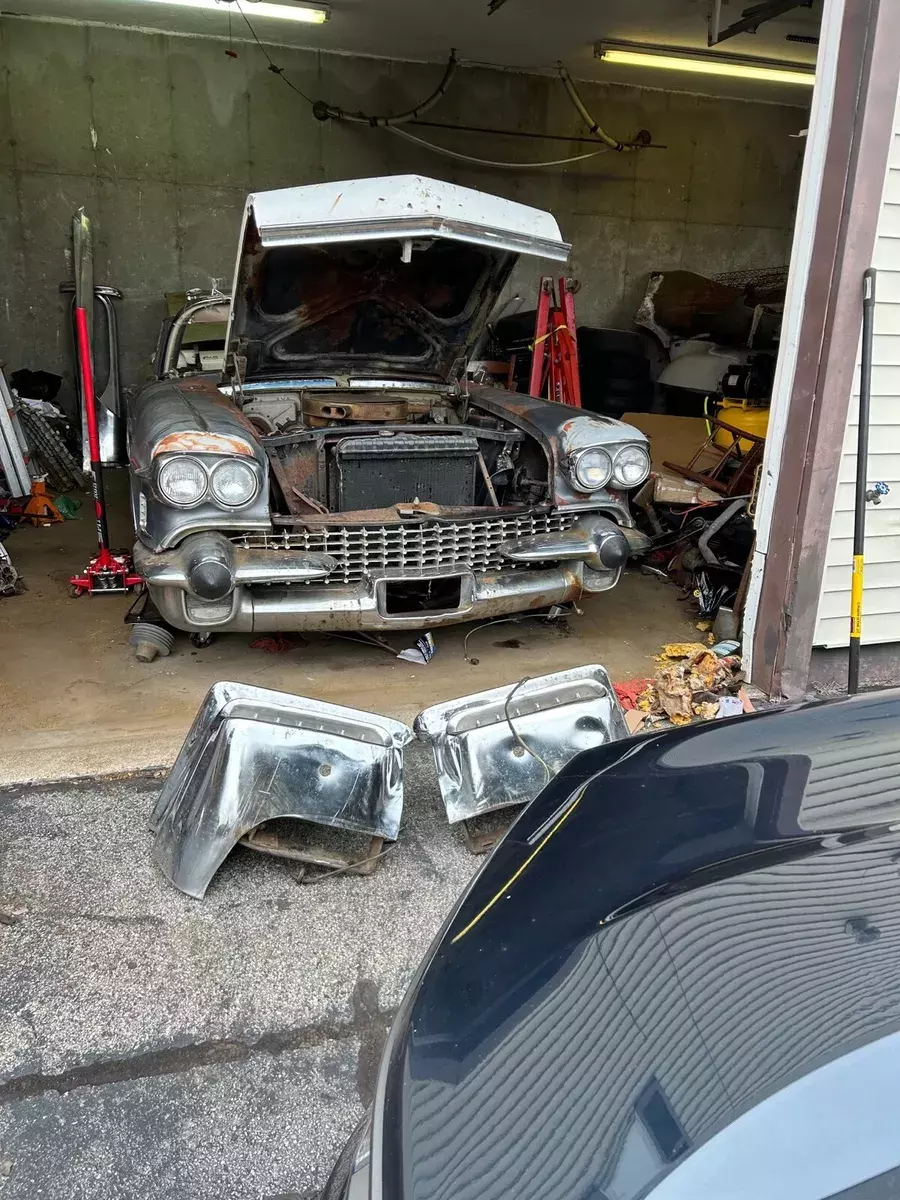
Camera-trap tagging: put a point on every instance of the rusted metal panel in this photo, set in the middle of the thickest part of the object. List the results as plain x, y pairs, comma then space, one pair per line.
196, 441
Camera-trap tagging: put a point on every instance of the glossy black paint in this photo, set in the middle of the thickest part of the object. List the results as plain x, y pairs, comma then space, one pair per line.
680, 926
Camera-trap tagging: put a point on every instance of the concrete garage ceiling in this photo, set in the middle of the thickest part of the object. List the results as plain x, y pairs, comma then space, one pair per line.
521, 34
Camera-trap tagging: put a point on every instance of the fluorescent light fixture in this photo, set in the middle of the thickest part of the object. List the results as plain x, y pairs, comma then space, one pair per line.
310, 14
676, 58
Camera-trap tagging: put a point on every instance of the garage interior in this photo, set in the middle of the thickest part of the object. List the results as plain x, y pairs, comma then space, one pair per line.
158, 120
152, 1046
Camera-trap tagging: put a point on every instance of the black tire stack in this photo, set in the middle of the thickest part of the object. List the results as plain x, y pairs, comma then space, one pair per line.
615, 371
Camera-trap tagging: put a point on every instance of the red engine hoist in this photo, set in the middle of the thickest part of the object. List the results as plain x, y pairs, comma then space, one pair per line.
554, 351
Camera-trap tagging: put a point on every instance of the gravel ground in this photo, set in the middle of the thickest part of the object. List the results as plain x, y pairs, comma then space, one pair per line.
156, 1046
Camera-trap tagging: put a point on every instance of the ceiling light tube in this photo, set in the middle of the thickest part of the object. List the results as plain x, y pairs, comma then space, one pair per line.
310, 14
672, 58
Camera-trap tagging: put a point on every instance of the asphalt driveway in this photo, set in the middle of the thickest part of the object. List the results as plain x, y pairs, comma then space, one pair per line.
156, 1046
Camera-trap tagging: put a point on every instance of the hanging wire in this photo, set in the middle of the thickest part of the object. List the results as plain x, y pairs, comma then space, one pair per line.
518, 736
568, 83
276, 70
323, 110
488, 162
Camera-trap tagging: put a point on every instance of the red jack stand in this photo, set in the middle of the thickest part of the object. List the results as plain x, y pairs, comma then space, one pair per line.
106, 572
554, 351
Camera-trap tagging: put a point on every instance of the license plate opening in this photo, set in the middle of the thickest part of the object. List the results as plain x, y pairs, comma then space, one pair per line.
405, 597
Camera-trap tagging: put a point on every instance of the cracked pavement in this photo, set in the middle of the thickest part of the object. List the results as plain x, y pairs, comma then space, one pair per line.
156, 1046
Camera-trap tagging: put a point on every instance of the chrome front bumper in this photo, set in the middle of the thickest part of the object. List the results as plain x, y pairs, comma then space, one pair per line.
284, 591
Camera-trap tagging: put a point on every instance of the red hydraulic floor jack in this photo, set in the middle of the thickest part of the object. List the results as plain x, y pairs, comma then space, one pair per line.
106, 572
554, 351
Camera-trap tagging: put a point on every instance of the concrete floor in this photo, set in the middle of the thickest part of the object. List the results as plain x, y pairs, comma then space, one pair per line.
75, 702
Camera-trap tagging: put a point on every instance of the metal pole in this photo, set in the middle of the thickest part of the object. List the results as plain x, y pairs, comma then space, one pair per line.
862, 466
90, 413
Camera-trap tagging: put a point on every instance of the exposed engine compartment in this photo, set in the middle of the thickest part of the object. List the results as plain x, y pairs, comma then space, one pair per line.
352, 451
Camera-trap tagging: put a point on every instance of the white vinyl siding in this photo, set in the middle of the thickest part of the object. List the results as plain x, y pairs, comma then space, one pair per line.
881, 594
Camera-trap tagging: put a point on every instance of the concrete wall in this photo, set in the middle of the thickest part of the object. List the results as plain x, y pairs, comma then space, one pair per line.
161, 137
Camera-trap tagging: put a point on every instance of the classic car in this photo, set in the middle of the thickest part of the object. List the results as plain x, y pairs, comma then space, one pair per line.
676, 978
342, 472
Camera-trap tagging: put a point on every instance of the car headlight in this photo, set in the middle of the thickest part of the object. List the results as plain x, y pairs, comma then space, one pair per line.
631, 466
234, 483
181, 481
591, 469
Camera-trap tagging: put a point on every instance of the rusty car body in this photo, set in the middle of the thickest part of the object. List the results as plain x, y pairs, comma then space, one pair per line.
343, 473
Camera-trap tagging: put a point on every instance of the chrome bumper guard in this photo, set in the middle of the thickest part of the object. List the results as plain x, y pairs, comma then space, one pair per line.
254, 755
263, 590
498, 748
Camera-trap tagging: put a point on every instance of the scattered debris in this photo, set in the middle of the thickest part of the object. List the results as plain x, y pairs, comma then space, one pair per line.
11, 913
422, 652
278, 643
630, 692
691, 682
746, 702
726, 649
10, 581
634, 719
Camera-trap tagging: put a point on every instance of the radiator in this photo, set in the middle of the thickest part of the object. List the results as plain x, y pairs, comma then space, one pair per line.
380, 471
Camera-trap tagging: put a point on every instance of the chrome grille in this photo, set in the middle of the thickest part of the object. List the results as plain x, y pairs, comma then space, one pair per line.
432, 546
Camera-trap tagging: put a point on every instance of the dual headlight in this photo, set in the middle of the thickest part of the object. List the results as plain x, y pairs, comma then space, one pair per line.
185, 482
593, 468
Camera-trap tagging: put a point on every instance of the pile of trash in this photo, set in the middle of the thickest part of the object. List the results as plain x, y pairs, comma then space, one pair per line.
692, 682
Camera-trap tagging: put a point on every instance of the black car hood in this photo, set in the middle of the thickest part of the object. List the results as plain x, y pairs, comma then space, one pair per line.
676, 931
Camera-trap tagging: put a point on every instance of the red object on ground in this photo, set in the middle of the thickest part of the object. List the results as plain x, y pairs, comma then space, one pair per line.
106, 572
554, 351
629, 691
278, 644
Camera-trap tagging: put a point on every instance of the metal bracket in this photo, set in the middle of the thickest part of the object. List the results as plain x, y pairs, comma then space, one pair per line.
751, 18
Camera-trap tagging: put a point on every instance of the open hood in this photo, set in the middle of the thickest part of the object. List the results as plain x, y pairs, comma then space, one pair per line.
392, 275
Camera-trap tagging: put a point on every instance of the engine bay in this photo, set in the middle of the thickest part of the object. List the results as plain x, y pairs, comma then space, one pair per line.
391, 451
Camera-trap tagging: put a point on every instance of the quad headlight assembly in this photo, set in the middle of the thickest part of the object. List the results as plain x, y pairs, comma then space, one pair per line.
184, 482
624, 466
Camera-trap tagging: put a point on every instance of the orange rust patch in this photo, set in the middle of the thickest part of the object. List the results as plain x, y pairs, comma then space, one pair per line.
193, 441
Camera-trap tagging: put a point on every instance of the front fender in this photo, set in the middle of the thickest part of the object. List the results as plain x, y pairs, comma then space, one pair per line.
190, 416
562, 430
